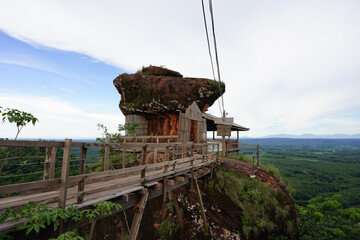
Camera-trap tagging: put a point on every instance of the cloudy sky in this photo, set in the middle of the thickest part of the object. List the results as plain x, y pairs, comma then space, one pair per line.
289, 66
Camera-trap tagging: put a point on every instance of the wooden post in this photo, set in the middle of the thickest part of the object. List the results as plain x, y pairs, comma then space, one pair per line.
52, 163
139, 210
64, 174
143, 161
253, 164
124, 156
213, 135
47, 163
92, 235
107, 155
223, 146
64, 179
198, 193
165, 183
167, 153
156, 151
81, 184
257, 155
237, 147
177, 209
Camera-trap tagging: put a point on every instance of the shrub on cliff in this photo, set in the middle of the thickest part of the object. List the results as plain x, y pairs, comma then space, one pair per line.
263, 216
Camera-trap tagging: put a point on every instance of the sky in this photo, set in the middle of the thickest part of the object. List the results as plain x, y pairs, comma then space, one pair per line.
290, 67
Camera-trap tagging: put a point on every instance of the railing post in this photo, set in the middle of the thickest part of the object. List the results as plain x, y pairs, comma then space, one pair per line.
167, 153
174, 156
81, 185
47, 163
223, 146
64, 174
165, 183
257, 155
192, 155
143, 161
124, 155
52, 163
107, 155
253, 165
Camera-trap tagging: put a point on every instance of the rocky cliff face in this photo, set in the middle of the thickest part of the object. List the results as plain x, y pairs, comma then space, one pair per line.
236, 208
157, 90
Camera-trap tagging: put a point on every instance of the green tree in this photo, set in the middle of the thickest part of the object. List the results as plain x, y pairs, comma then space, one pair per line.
115, 137
324, 218
20, 118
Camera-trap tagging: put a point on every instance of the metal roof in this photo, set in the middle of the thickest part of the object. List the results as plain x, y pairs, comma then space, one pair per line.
212, 122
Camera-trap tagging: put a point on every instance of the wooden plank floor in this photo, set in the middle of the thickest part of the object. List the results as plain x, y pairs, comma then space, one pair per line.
122, 184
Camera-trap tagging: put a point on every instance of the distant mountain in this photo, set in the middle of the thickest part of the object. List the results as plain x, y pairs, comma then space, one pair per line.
312, 136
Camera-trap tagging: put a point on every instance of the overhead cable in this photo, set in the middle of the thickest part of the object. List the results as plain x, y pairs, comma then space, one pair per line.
216, 53
209, 49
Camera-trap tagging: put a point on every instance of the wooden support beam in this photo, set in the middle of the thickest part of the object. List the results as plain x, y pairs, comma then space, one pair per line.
92, 235
139, 210
177, 209
179, 179
170, 182
198, 193
158, 186
81, 184
165, 184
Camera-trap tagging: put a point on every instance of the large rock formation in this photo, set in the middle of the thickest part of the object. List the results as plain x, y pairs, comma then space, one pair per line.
159, 90
155, 96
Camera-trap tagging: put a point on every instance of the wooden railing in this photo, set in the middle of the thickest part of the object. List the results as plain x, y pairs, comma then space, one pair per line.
179, 158
151, 138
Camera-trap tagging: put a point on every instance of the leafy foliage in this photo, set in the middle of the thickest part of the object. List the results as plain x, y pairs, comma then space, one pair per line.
314, 166
40, 216
262, 213
116, 137
20, 118
331, 220
167, 230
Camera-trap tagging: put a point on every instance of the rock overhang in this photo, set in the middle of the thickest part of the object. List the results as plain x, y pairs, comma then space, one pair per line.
157, 90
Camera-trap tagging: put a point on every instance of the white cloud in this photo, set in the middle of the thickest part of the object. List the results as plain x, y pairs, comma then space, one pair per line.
289, 66
57, 119
67, 90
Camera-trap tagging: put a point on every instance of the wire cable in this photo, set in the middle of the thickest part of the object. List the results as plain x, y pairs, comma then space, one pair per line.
209, 48
216, 52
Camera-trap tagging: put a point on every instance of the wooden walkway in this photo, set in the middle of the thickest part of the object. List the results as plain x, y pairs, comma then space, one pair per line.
121, 185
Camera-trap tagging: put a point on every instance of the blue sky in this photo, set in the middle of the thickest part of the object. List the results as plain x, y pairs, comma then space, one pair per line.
43, 71
290, 67
55, 77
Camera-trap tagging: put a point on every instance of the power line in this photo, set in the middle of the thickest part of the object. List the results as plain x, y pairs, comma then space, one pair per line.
209, 49
222, 109
216, 52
